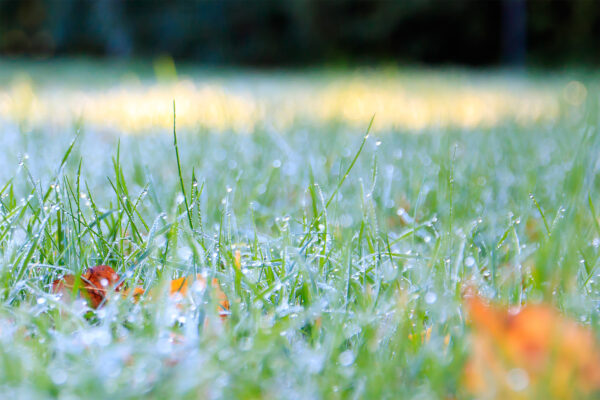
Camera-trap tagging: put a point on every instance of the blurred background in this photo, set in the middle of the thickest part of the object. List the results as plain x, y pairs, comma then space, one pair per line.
269, 33
233, 65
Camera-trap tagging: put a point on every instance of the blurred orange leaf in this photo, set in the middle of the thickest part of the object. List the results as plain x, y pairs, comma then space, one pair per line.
180, 286
529, 353
136, 293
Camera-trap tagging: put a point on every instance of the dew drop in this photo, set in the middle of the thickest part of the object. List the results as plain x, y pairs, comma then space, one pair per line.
430, 298
469, 261
346, 358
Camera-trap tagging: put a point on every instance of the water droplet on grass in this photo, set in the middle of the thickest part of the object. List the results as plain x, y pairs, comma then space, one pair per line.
346, 358
57, 375
430, 298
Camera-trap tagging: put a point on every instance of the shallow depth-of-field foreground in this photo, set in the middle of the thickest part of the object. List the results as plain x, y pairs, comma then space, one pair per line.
451, 253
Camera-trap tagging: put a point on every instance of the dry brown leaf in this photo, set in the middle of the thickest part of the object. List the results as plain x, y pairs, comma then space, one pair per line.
93, 284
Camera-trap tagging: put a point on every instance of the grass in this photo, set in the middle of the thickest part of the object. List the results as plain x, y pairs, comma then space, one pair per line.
352, 246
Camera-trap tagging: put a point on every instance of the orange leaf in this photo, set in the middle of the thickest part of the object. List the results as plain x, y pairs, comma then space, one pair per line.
238, 260
548, 351
180, 286
136, 293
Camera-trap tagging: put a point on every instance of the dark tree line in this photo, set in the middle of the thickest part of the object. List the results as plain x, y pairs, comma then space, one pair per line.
298, 32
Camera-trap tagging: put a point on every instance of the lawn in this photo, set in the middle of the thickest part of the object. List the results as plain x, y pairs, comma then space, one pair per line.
345, 253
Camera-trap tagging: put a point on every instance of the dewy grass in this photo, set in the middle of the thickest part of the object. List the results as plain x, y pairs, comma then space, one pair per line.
351, 266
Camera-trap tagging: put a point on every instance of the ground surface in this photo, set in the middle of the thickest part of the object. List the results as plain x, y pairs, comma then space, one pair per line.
352, 247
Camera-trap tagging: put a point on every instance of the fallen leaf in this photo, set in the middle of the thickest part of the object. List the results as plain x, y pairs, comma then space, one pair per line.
60, 286
93, 284
180, 286
238, 260
136, 293
97, 281
528, 353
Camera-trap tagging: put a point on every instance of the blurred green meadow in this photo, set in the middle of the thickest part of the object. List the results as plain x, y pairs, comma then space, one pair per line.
354, 242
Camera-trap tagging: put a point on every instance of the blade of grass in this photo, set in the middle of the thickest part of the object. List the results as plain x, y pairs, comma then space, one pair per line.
187, 207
